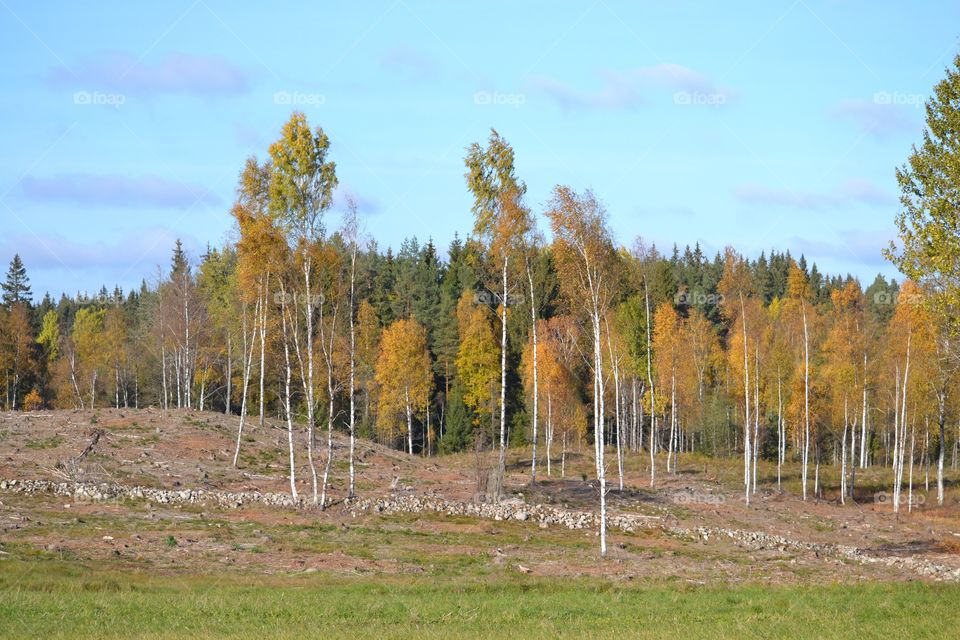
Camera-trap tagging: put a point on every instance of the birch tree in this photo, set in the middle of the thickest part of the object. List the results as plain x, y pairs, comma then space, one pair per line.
330, 297
586, 261
779, 375
260, 249
928, 226
842, 354
667, 356
502, 221
477, 365
302, 180
404, 378
911, 345
351, 233
736, 288
16, 349
89, 341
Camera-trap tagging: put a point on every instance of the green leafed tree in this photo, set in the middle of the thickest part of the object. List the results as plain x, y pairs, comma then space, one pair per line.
929, 230
929, 219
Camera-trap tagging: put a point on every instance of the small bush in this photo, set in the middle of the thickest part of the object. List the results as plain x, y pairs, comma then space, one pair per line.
32, 401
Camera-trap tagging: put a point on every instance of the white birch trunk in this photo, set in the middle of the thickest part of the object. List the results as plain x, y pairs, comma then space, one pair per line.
406, 395
843, 455
328, 357
549, 429
536, 387
351, 491
599, 428
756, 414
910, 481
502, 462
863, 423
781, 439
263, 344
653, 407
226, 410
287, 408
806, 399
747, 453
246, 364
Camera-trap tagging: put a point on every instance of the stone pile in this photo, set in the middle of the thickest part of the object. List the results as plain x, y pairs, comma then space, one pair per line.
92, 492
506, 510
516, 510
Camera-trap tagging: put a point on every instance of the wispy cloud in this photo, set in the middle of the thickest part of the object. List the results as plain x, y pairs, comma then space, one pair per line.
672, 211
676, 76
859, 245
248, 136
850, 192
612, 95
176, 73
365, 204
412, 63
116, 191
878, 119
629, 89
143, 248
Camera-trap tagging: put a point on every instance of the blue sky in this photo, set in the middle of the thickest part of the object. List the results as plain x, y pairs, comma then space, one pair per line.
762, 124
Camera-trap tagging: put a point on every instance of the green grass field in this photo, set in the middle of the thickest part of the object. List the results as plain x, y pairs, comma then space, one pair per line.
63, 600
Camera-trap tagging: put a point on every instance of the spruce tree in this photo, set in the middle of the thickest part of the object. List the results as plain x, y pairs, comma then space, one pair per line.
16, 288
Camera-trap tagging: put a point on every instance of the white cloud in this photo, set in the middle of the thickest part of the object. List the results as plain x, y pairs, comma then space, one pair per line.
410, 62
116, 191
850, 192
178, 73
876, 119
629, 89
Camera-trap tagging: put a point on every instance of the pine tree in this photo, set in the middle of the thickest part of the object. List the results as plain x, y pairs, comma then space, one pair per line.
458, 433
178, 262
16, 288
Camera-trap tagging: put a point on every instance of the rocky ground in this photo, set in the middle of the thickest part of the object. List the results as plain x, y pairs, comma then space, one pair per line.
156, 490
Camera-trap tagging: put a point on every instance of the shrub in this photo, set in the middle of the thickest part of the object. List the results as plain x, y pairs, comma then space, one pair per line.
32, 401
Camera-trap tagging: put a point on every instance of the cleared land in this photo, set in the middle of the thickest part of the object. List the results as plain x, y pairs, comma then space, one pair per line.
116, 567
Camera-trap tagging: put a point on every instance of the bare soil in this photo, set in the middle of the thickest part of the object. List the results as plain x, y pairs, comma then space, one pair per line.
190, 449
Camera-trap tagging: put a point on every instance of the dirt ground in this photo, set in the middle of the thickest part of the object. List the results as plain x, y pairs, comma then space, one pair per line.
190, 449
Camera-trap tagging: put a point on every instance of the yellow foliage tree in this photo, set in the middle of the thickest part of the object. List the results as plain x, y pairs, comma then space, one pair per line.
667, 357
404, 377
477, 358
89, 342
